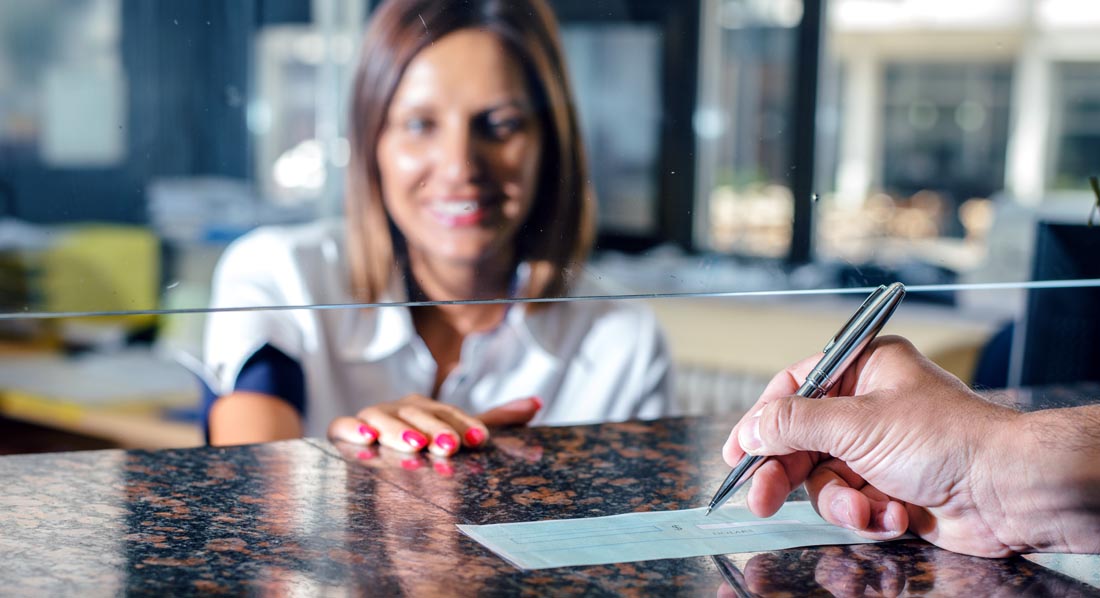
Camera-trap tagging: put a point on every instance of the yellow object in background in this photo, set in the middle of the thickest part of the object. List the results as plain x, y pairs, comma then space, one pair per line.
103, 267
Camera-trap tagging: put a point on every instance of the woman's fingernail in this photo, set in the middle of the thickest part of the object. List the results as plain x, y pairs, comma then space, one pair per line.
411, 464
538, 403
368, 432
474, 437
749, 436
446, 442
414, 439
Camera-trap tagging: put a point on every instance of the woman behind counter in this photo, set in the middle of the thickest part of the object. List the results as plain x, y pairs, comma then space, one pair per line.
466, 181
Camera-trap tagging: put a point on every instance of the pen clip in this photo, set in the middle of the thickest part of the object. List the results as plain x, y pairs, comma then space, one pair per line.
859, 312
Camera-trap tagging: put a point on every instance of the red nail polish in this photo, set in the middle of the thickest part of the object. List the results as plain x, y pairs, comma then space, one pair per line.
538, 402
414, 439
368, 432
411, 464
474, 437
446, 442
364, 455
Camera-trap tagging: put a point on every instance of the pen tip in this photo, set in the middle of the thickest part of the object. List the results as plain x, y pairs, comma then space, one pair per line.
709, 509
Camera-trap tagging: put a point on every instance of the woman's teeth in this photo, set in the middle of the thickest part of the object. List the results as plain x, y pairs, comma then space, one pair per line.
455, 208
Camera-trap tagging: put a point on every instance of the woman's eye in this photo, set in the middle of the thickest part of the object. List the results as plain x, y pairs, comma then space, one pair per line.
418, 126
502, 128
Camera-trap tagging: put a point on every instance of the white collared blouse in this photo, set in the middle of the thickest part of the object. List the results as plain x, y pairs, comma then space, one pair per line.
589, 361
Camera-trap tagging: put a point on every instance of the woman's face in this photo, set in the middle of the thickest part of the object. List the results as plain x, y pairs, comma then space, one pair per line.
460, 151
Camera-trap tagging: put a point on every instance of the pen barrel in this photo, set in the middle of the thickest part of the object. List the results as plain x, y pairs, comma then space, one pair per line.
736, 478
747, 467
815, 386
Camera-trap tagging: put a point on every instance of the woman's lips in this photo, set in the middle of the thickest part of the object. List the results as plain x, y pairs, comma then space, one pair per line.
459, 212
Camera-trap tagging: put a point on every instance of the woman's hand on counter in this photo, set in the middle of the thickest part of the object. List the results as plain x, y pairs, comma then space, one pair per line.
416, 422
902, 445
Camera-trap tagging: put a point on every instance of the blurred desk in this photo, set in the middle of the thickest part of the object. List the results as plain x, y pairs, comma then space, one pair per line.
761, 336
121, 398
726, 350
305, 517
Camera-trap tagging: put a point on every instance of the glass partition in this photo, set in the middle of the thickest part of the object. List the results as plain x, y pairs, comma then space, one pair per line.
720, 353
139, 140
935, 129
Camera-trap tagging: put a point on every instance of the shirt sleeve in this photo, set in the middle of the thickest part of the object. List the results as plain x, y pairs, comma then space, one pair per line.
257, 271
268, 371
653, 364
627, 369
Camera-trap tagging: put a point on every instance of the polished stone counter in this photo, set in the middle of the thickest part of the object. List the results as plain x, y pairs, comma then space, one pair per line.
306, 517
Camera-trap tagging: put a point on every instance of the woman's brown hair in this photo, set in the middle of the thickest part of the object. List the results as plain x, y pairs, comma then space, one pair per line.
558, 232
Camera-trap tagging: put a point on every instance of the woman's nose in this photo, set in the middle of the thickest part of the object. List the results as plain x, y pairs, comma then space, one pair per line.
459, 159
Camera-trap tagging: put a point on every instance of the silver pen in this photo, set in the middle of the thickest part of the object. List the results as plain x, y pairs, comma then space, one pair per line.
841, 351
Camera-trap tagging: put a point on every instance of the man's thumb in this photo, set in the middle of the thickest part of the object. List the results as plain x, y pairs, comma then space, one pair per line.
793, 424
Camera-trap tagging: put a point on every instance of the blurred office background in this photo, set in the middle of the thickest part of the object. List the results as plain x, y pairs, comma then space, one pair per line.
736, 145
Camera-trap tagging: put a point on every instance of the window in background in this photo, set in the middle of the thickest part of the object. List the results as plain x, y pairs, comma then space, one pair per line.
615, 69
64, 101
944, 134
745, 201
954, 123
1078, 141
298, 115
633, 65
921, 126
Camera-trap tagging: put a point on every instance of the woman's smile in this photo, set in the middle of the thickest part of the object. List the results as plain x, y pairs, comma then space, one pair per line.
464, 211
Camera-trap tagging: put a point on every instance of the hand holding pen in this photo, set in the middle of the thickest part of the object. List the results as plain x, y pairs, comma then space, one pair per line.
902, 445
839, 353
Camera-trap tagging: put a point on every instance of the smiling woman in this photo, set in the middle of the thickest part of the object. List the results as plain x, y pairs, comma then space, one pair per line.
459, 161
466, 181
484, 81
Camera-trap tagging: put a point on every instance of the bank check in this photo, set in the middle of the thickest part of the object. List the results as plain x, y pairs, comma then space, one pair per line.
656, 535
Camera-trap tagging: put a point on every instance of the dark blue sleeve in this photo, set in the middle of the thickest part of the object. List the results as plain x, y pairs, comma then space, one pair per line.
268, 371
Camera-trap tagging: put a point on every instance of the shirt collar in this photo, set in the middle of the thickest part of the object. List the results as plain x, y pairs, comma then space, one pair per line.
380, 333
367, 338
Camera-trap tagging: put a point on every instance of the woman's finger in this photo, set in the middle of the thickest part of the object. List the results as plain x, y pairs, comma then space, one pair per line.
353, 430
393, 431
442, 439
512, 413
470, 429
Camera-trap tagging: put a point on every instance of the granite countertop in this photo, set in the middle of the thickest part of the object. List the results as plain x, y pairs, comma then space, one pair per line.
307, 517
